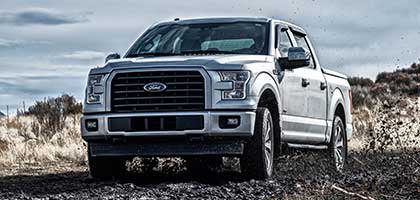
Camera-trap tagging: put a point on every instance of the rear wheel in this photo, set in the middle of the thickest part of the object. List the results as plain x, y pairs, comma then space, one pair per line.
106, 167
338, 145
257, 159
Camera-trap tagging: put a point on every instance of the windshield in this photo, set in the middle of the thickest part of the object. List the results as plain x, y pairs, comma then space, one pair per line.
207, 38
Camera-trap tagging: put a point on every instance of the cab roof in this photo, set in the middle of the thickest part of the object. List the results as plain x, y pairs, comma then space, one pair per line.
232, 20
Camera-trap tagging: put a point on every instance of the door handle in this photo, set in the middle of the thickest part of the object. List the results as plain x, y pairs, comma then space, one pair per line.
323, 85
305, 82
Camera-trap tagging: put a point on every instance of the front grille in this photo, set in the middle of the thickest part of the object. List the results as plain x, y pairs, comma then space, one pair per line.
184, 92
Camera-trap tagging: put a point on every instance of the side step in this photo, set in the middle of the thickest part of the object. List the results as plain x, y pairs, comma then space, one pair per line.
307, 146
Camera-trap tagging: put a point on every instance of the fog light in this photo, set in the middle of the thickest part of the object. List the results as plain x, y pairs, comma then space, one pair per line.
229, 121
91, 125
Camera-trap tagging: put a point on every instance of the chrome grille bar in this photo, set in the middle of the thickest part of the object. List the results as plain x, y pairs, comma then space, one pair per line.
185, 91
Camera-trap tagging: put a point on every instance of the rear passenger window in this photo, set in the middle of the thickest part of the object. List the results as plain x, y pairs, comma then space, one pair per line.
283, 42
301, 42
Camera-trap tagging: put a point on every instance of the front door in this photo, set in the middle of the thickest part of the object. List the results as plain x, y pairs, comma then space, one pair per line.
293, 92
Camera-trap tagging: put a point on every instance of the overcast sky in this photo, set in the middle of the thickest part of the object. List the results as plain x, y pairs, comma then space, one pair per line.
48, 46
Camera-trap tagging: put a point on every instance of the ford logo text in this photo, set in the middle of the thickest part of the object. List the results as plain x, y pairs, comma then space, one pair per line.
155, 87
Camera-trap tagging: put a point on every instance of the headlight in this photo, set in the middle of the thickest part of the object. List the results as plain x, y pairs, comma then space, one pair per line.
95, 89
239, 81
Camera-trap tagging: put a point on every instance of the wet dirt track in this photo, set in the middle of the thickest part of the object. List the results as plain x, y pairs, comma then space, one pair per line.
298, 175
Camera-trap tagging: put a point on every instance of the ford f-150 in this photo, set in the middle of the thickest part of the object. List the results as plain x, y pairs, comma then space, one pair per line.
203, 89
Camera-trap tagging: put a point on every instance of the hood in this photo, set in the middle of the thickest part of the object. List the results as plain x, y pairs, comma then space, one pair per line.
209, 62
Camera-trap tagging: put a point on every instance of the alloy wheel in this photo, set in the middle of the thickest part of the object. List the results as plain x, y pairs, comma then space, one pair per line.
268, 148
338, 148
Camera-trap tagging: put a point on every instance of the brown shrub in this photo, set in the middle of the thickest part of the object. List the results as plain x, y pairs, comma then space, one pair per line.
361, 91
51, 114
404, 80
360, 81
21, 127
361, 96
4, 145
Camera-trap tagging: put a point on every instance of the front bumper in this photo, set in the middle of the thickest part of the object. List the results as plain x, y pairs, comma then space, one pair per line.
210, 140
211, 124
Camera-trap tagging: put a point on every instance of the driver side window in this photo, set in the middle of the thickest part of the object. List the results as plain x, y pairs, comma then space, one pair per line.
301, 42
283, 42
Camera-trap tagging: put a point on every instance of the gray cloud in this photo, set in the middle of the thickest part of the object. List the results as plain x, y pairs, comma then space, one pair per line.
13, 88
41, 16
83, 55
4, 43
31, 88
76, 60
9, 43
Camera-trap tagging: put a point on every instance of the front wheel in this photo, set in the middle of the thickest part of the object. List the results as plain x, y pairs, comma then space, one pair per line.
257, 159
338, 145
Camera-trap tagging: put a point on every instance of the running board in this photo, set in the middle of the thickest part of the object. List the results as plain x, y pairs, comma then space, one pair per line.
307, 146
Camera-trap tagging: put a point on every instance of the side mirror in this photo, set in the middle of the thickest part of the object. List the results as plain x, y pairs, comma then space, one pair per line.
297, 57
112, 56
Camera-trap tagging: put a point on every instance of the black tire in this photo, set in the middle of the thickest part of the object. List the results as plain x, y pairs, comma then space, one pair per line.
280, 147
198, 165
105, 168
257, 159
337, 149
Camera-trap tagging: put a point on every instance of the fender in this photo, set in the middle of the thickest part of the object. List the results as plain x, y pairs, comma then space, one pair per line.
262, 82
337, 98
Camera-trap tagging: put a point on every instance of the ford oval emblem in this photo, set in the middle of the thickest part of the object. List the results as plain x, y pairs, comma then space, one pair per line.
155, 87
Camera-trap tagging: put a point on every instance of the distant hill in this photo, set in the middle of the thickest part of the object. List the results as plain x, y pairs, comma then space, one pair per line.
401, 82
2, 115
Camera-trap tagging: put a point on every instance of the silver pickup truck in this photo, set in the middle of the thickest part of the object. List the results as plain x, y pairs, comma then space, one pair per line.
203, 89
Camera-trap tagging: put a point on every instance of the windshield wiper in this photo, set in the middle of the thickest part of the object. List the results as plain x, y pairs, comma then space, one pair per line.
208, 52
152, 54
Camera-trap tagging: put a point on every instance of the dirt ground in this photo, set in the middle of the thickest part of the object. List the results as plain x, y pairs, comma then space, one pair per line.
300, 174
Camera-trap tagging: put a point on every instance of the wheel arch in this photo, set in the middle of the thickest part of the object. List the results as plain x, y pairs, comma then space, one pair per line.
336, 102
337, 106
265, 82
339, 110
268, 100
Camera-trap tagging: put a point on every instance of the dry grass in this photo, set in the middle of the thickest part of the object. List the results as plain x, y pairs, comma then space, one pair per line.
20, 145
